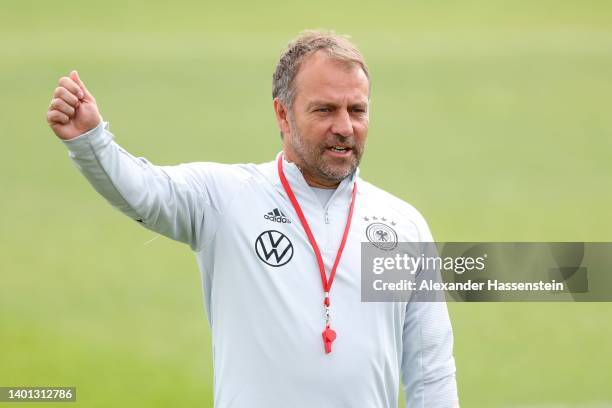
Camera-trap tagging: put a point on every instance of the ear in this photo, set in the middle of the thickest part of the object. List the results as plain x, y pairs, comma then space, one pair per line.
282, 116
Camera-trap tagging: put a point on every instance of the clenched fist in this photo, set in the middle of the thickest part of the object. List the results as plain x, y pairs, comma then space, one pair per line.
73, 110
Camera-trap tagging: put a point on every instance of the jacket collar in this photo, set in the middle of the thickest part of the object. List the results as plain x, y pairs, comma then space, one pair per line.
303, 191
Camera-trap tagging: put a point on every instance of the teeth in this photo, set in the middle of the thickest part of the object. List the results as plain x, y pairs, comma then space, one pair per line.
338, 149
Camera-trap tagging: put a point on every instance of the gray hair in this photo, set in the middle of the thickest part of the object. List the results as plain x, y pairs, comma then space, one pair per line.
338, 47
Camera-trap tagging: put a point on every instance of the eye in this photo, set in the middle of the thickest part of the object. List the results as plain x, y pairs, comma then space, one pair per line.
323, 110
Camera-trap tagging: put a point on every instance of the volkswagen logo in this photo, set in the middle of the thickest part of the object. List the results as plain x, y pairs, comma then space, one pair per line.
274, 248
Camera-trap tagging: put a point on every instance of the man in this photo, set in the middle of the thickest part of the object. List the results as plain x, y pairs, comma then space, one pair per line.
278, 244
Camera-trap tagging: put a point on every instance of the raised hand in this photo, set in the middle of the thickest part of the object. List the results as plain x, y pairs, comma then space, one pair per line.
73, 110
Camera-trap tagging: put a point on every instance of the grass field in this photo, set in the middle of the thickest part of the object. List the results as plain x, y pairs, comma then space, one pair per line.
491, 117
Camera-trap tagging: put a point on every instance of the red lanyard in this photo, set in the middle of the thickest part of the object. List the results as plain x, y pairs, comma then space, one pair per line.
328, 334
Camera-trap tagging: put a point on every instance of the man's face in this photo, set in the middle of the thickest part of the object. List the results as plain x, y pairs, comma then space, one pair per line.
328, 124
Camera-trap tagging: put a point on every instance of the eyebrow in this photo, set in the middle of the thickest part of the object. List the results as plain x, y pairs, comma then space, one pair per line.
331, 104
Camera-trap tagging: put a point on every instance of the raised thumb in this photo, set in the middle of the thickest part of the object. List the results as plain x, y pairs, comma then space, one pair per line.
74, 75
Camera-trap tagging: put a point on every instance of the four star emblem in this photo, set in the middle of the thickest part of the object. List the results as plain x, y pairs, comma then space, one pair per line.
375, 218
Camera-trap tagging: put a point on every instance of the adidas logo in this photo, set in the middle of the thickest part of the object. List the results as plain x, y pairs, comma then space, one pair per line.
277, 215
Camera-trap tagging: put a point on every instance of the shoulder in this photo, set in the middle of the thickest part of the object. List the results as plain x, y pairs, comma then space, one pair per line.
221, 174
217, 184
382, 203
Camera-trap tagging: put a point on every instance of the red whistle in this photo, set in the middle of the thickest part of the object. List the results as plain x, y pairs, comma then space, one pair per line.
329, 336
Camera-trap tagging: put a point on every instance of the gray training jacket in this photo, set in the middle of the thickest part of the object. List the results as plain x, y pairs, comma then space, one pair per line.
262, 286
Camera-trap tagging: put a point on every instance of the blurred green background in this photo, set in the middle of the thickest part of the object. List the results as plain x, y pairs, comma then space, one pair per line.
491, 117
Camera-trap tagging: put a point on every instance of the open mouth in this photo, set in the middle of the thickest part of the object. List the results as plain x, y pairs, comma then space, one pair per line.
339, 150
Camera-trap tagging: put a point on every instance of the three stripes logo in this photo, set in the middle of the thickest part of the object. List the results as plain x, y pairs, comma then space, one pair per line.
274, 248
277, 215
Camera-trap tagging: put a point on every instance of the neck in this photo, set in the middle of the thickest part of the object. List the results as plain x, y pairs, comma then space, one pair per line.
318, 183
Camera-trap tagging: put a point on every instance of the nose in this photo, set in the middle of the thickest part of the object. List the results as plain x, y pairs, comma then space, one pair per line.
343, 125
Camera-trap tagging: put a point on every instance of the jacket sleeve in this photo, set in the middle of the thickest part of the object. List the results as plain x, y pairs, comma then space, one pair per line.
175, 201
428, 365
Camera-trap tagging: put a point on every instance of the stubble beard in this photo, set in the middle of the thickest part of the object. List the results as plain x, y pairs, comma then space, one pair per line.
314, 160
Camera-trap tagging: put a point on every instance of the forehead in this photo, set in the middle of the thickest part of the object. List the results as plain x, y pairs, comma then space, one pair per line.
321, 77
